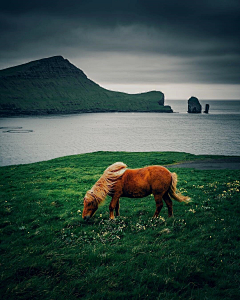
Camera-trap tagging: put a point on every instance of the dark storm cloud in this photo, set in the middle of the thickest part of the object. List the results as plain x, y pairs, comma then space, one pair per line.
193, 41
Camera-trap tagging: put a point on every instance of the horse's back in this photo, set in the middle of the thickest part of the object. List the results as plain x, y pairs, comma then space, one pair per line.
144, 181
158, 171
148, 174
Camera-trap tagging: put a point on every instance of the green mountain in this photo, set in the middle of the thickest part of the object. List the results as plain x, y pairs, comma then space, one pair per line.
55, 86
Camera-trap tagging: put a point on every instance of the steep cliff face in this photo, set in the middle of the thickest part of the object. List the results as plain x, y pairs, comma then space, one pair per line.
54, 85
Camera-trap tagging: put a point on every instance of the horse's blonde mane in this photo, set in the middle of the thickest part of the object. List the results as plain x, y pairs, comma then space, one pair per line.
106, 182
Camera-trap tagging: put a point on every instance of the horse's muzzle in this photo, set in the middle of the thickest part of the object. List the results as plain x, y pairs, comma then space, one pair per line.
86, 218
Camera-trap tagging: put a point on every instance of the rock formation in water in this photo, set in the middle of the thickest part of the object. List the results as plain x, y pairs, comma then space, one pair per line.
207, 106
194, 106
55, 86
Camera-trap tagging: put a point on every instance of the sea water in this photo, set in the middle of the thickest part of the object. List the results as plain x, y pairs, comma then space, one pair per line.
37, 138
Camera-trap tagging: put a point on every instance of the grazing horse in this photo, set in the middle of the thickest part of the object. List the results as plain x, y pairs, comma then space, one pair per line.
119, 181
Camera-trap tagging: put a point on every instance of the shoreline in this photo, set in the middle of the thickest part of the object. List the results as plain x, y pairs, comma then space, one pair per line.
219, 163
9, 115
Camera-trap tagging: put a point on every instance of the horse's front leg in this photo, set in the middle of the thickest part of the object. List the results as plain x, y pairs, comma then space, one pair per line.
114, 204
117, 208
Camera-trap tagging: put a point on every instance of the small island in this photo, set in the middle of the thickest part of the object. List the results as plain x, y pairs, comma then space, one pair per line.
194, 106
55, 86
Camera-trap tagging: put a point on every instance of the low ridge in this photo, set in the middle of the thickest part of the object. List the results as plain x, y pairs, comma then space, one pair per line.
55, 86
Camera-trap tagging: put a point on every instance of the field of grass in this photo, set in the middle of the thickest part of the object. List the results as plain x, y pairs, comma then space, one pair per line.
48, 251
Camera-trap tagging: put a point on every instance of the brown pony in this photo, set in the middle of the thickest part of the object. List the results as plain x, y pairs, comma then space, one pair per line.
118, 181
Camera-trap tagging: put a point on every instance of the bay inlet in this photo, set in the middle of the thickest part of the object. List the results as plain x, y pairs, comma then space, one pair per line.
37, 138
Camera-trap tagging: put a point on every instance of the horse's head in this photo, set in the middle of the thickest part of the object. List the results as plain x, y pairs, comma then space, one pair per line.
90, 206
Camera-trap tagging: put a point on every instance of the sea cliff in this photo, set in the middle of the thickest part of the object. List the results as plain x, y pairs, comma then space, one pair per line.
55, 86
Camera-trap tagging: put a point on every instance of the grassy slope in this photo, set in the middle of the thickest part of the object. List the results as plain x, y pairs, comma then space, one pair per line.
48, 252
54, 85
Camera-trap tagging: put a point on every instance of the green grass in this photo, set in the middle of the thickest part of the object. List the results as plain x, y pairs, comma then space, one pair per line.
48, 252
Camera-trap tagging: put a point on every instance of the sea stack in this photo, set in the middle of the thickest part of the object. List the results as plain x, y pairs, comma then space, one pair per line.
206, 108
194, 106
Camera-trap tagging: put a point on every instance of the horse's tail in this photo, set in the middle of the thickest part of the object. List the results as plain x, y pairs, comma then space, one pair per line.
172, 192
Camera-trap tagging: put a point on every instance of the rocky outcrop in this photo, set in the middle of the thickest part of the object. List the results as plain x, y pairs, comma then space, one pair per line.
194, 106
207, 106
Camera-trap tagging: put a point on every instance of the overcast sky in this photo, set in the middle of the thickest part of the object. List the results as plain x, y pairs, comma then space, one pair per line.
182, 48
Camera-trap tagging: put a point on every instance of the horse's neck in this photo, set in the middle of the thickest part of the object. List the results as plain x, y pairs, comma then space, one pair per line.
104, 185
100, 189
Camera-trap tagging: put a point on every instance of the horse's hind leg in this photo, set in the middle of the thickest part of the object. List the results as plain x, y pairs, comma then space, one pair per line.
159, 204
168, 201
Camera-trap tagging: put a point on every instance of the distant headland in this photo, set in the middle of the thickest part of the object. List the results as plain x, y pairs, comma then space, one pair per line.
55, 86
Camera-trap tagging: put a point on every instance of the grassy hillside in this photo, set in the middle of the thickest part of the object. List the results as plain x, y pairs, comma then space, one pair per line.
48, 252
54, 85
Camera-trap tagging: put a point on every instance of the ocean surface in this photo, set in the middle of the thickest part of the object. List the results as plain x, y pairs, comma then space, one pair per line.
37, 138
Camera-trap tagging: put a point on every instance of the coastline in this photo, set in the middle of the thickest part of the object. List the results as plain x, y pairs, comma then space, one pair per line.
182, 160
166, 109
